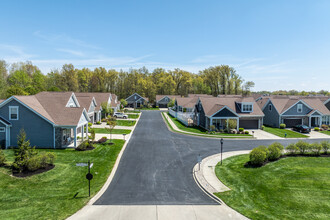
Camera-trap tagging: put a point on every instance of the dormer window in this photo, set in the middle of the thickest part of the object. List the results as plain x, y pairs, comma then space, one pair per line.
299, 108
270, 107
247, 107
135, 97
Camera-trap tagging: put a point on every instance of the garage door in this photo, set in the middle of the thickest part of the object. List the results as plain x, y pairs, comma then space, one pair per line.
292, 122
162, 105
248, 124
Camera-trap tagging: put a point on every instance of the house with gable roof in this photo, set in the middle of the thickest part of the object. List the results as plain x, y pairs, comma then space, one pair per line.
50, 119
136, 101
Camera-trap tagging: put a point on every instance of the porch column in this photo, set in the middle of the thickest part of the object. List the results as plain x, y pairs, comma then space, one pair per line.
87, 131
211, 122
310, 121
237, 122
82, 132
75, 136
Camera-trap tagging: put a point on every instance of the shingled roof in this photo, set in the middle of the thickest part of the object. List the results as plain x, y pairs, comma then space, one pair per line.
100, 97
159, 97
213, 105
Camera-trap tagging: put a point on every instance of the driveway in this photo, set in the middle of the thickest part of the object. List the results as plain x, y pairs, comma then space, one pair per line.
156, 167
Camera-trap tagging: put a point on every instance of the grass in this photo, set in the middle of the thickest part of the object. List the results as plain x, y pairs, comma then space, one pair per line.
281, 133
199, 130
125, 123
134, 116
149, 109
201, 134
114, 131
49, 195
290, 188
325, 132
132, 111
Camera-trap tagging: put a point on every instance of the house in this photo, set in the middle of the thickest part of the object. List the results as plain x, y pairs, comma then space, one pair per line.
310, 111
115, 104
136, 101
217, 111
89, 103
163, 100
50, 119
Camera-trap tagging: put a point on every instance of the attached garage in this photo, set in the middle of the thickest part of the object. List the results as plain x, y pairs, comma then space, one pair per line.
249, 123
290, 122
162, 105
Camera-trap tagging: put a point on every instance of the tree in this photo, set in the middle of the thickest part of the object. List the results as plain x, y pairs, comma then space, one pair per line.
106, 108
231, 124
123, 103
70, 78
171, 103
112, 124
3, 78
247, 87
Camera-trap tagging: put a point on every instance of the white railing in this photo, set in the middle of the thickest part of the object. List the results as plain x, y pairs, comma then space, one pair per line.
171, 112
186, 118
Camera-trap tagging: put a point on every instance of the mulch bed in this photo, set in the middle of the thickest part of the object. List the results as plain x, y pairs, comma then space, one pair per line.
249, 165
28, 173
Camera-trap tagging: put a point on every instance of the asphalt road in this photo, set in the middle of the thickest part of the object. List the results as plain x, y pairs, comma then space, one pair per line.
156, 167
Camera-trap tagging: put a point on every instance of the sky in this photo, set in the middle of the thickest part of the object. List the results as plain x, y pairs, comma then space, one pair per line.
277, 44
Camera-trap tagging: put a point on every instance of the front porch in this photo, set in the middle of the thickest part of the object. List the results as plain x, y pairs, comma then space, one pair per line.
71, 136
221, 123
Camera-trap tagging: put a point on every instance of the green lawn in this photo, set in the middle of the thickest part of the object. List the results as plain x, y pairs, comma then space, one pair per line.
50, 195
114, 131
133, 115
199, 130
325, 132
281, 132
291, 188
149, 108
125, 123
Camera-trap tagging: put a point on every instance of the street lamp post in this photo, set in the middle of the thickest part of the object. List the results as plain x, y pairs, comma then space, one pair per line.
221, 142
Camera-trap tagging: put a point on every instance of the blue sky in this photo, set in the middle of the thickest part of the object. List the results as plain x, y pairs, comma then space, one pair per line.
276, 44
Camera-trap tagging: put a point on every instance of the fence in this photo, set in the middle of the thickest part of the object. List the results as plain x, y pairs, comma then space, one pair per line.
186, 118
171, 112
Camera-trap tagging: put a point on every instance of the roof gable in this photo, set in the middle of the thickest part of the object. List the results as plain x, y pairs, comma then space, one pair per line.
225, 112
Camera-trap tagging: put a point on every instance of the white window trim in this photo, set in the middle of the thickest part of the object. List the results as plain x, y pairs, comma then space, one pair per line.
3, 129
13, 107
301, 109
247, 104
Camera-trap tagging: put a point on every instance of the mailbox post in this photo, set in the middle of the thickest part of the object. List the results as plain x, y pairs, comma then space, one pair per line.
89, 177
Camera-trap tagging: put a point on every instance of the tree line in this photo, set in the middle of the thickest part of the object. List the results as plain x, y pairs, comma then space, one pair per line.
24, 78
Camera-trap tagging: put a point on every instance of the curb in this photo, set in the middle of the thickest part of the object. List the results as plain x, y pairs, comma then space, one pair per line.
114, 169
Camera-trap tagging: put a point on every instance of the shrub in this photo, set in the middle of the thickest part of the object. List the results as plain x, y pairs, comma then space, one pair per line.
82, 146
325, 146
247, 132
262, 127
92, 134
212, 127
90, 124
292, 149
257, 156
103, 119
108, 123
274, 152
98, 122
241, 129
316, 148
51, 158
316, 129
278, 145
33, 163
2, 158
102, 140
325, 127
302, 146
282, 126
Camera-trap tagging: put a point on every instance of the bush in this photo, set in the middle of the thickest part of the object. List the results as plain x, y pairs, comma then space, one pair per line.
316, 129
274, 152
247, 132
102, 140
103, 119
258, 156
316, 148
241, 129
108, 123
262, 127
90, 124
98, 122
325, 146
292, 149
282, 126
33, 163
2, 158
212, 128
302, 146
278, 145
325, 127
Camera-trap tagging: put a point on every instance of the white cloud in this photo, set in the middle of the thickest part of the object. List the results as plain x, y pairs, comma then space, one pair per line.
72, 52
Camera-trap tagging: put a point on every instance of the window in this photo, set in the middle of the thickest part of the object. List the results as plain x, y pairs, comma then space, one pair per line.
246, 107
13, 112
299, 108
2, 129
135, 97
270, 107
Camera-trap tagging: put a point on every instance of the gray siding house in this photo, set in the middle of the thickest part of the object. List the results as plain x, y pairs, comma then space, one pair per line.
50, 119
163, 100
291, 111
136, 101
